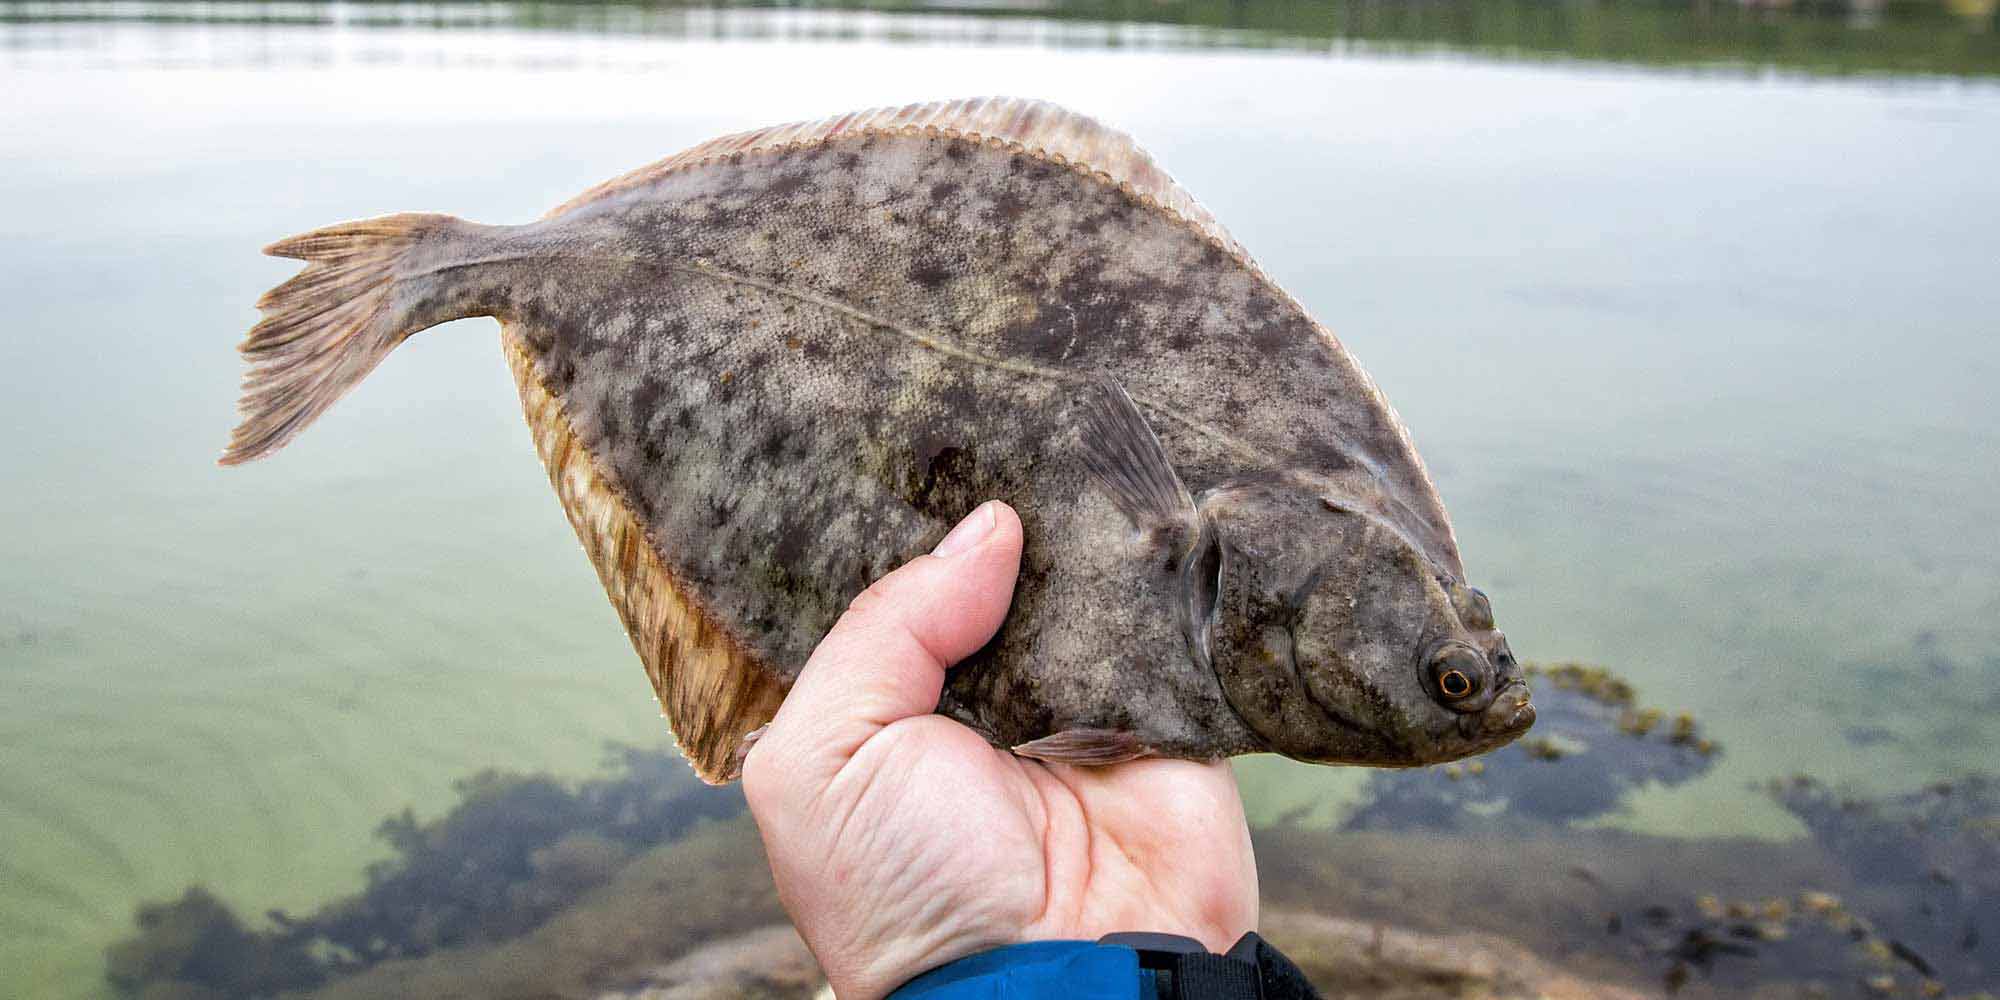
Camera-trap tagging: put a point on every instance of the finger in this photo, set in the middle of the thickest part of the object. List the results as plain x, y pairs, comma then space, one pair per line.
885, 660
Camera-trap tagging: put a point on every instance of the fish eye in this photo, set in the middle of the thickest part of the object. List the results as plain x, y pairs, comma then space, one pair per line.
1457, 672
1455, 684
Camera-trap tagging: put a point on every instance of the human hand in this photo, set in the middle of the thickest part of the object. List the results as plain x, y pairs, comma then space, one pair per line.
901, 840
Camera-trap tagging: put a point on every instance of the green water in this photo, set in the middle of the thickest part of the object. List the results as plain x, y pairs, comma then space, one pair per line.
1703, 361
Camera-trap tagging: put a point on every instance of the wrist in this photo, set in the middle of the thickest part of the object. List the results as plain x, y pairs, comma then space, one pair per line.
1081, 969
1117, 967
867, 959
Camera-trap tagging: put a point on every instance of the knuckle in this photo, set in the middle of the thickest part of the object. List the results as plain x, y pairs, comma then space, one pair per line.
872, 601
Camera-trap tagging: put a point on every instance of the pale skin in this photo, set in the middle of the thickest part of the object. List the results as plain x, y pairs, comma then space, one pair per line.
900, 840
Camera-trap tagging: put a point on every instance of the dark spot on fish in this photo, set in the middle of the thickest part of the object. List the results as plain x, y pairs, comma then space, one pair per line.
1030, 166
789, 184
930, 274
947, 483
958, 149
562, 373
791, 545
646, 399
943, 190
849, 161
1270, 339
1094, 224
721, 510
772, 448
1008, 207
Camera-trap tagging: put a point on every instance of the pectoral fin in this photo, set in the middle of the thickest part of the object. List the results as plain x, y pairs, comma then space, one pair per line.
1089, 747
1128, 462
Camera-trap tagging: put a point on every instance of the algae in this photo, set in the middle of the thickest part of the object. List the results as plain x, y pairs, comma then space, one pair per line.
1485, 877
515, 851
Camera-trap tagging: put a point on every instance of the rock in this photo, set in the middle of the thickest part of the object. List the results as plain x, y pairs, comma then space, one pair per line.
1343, 958
1358, 959
769, 963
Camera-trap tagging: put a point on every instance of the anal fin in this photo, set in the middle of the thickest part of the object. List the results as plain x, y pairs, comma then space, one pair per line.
715, 694
1088, 747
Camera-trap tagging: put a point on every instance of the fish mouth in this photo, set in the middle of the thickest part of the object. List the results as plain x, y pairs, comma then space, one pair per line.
1511, 713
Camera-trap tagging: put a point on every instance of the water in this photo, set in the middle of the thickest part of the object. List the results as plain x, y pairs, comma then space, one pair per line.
1702, 359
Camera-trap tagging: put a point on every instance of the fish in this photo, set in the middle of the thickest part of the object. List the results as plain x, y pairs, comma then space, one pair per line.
765, 371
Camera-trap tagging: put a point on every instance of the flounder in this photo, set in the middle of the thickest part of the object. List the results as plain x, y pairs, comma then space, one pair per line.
769, 369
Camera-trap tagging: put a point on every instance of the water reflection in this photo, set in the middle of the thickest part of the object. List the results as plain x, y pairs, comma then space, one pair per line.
1876, 37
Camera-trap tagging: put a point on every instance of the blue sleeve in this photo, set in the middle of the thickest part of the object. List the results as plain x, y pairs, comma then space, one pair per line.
1033, 971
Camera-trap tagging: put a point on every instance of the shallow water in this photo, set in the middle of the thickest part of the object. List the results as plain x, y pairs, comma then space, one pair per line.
1702, 361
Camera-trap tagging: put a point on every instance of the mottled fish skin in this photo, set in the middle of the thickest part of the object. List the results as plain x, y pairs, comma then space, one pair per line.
798, 367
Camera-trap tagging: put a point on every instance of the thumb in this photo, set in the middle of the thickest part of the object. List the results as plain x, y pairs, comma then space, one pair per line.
886, 657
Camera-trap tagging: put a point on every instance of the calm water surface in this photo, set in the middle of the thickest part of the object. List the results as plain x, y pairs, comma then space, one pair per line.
1703, 364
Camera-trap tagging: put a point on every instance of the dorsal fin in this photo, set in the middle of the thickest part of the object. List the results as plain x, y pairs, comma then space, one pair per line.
1038, 127
712, 690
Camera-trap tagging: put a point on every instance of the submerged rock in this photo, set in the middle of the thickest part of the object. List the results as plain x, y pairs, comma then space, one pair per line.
1923, 905
769, 963
1892, 897
1355, 958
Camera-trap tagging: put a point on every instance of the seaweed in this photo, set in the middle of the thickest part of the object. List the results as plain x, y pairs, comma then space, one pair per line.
194, 948
1925, 897
1592, 745
514, 851
692, 898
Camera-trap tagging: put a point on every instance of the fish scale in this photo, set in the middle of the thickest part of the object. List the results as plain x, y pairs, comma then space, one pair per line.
764, 372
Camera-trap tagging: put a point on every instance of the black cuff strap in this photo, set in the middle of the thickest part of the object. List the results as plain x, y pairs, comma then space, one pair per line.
1184, 970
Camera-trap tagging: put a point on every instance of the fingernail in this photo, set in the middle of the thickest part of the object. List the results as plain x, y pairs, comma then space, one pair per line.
968, 533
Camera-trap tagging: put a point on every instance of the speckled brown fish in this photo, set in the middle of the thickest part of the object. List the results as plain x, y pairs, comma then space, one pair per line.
766, 371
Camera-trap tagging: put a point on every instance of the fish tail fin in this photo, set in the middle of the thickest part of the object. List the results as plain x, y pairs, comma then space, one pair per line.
329, 325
